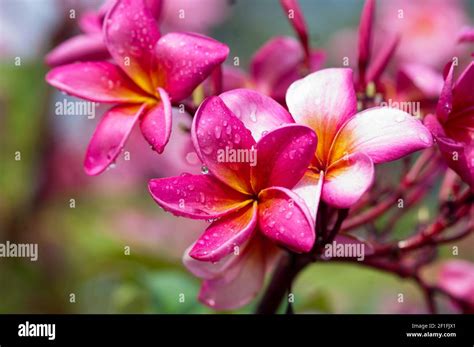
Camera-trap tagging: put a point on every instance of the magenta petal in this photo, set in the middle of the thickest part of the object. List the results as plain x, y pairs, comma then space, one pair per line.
316, 59
426, 79
95, 81
466, 35
324, 101
156, 124
110, 136
463, 91
459, 157
131, 33
283, 156
217, 135
269, 66
259, 113
240, 283
365, 35
233, 78
155, 7
445, 103
196, 196
383, 133
185, 60
225, 234
78, 48
284, 218
347, 180
91, 22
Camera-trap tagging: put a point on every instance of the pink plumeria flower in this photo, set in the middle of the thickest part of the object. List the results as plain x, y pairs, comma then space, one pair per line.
457, 278
90, 45
149, 70
453, 124
349, 143
248, 199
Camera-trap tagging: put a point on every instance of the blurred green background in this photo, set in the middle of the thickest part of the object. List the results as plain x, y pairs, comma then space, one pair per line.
85, 226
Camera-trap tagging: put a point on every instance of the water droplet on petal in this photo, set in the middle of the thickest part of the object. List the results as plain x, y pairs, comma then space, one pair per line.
236, 138
204, 170
217, 132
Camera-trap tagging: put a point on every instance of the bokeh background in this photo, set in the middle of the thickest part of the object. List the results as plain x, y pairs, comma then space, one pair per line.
85, 225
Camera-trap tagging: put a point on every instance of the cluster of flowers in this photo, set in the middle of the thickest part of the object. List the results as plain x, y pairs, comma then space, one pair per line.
317, 133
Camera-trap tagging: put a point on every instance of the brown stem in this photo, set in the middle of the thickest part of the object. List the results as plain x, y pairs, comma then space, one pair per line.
288, 267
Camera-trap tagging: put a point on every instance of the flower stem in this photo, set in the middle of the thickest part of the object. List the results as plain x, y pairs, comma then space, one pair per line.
289, 266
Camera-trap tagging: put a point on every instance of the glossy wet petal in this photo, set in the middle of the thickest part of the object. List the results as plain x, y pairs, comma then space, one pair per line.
110, 136
284, 218
95, 81
225, 234
196, 196
223, 144
185, 60
130, 33
283, 156
156, 124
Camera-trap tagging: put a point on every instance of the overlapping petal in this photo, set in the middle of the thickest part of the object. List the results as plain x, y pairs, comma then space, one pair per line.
383, 133
209, 270
110, 136
226, 233
185, 60
284, 218
156, 124
78, 48
463, 95
130, 33
196, 196
217, 130
259, 113
96, 81
325, 101
269, 66
283, 156
240, 283
309, 189
347, 180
